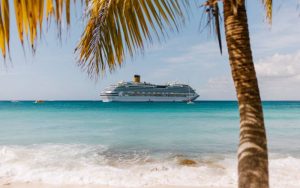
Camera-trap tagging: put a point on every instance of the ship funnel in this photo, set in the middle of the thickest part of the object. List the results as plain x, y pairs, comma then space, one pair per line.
137, 78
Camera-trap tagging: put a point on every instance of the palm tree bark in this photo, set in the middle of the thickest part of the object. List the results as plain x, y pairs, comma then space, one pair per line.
252, 152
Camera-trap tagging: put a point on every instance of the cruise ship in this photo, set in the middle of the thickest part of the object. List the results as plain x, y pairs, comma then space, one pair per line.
137, 91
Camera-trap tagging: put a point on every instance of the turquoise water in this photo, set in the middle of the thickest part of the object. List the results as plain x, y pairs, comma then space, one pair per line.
98, 136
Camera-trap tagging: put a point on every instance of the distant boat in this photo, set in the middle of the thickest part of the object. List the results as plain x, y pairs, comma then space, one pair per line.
190, 102
138, 91
14, 101
39, 101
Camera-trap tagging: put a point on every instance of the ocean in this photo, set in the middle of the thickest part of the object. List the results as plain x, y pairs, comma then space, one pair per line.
139, 144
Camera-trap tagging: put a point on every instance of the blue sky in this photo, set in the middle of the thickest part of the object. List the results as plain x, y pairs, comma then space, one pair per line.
189, 57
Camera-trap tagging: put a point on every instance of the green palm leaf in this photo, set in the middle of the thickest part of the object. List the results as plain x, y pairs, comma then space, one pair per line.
119, 27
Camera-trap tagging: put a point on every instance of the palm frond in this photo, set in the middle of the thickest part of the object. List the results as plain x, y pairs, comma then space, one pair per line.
4, 26
268, 6
235, 4
119, 27
29, 16
217, 25
19, 18
6, 20
68, 17
49, 9
2, 34
212, 22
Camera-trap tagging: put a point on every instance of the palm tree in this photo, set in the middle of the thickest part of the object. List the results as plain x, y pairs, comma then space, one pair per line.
252, 152
116, 28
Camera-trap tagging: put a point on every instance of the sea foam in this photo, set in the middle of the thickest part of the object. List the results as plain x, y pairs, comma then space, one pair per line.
98, 165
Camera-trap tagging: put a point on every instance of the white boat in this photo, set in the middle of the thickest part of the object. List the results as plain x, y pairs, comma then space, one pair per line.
137, 91
39, 101
190, 102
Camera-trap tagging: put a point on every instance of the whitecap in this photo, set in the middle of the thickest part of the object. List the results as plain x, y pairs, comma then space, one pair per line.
99, 165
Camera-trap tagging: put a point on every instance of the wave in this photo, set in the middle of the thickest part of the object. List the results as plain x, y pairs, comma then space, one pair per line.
99, 165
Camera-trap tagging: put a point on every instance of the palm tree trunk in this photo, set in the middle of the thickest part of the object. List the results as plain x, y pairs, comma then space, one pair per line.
252, 152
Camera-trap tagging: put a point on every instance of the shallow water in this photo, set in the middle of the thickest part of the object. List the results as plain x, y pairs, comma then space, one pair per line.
139, 144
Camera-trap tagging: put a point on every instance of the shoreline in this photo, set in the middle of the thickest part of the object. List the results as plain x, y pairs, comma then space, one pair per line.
43, 185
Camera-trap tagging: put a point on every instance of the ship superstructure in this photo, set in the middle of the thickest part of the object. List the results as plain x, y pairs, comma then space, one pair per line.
137, 91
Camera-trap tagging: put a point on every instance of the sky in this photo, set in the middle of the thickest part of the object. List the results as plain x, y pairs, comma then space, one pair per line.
190, 56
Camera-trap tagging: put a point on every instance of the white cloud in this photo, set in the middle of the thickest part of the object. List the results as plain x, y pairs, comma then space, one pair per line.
219, 88
280, 37
279, 76
202, 52
220, 82
279, 66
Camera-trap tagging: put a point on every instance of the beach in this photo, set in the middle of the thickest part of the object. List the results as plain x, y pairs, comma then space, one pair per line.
156, 145
31, 185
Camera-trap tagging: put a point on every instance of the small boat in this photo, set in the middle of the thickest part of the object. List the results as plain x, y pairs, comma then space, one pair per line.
190, 102
39, 101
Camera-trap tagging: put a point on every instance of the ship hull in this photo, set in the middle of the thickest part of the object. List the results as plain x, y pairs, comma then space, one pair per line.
146, 99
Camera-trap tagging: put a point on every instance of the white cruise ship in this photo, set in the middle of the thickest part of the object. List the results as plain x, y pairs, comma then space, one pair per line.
138, 91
